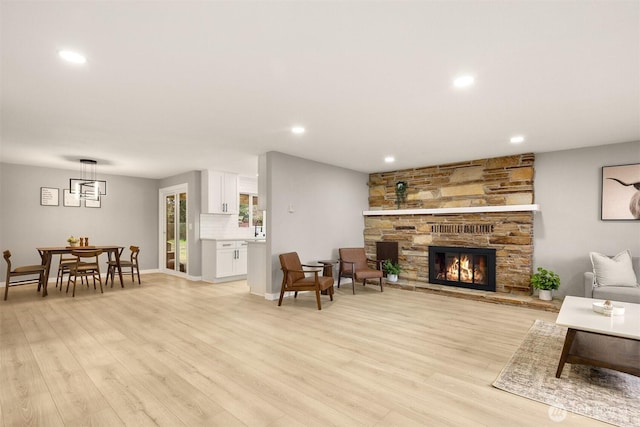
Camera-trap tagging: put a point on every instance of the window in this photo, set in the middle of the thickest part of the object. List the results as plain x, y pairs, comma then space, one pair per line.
249, 215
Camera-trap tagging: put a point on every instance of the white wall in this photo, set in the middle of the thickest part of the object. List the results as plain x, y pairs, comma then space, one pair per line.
326, 203
128, 216
568, 187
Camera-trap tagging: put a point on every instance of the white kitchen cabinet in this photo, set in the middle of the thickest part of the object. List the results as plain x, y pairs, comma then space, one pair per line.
224, 260
231, 259
240, 264
219, 192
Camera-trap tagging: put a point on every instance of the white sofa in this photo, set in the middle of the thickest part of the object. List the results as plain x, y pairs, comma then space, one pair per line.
614, 293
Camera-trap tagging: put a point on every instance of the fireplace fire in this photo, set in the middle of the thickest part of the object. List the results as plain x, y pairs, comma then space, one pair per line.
473, 268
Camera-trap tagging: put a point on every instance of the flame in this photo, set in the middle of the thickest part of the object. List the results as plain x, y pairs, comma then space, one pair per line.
467, 272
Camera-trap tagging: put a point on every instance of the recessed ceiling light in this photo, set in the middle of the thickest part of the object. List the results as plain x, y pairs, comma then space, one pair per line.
298, 130
70, 56
389, 159
517, 139
463, 81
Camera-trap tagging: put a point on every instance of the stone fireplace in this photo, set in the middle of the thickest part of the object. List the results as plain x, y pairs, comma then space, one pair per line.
484, 204
473, 268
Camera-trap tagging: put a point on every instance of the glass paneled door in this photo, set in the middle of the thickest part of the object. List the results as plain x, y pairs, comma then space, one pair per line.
174, 254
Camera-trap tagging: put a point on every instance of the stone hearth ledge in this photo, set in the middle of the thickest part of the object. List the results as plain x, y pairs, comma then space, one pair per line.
527, 301
450, 211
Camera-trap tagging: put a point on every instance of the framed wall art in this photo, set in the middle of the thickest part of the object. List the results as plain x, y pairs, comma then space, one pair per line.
49, 196
70, 199
621, 192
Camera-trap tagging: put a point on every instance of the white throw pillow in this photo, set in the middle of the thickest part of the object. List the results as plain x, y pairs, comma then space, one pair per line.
615, 271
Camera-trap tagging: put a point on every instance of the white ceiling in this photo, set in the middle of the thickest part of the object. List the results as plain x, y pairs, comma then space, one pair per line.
176, 86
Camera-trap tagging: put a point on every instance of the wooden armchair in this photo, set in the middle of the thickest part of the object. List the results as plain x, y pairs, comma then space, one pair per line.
295, 278
355, 265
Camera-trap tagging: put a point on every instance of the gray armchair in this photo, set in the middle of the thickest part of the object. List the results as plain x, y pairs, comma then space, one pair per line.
615, 293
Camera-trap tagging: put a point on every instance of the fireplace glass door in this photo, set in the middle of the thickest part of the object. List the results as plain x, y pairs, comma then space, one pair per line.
463, 267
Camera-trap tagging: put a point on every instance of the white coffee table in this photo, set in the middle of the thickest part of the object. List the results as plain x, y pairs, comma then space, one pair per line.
598, 340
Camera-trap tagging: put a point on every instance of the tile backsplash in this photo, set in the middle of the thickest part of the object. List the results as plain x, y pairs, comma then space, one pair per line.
226, 227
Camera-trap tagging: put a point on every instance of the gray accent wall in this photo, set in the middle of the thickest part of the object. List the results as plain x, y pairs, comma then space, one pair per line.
312, 208
567, 188
128, 215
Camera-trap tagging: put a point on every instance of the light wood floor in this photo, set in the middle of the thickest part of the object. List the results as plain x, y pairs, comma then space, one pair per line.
178, 353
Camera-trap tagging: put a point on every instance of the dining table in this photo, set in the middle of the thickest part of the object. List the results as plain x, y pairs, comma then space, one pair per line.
47, 253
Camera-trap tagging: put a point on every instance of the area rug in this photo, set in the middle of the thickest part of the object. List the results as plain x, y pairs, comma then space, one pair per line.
602, 394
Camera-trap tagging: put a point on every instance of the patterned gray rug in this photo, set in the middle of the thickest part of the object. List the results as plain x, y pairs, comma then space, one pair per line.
603, 394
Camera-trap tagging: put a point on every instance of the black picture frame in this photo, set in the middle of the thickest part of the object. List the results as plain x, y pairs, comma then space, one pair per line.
49, 196
620, 196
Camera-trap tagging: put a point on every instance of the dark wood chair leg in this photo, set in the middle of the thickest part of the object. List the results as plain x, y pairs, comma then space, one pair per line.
281, 296
381, 288
282, 287
318, 299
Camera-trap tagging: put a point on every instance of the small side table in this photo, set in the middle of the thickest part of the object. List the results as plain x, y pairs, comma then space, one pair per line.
327, 269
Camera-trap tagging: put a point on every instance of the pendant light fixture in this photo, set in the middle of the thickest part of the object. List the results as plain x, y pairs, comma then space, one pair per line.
88, 186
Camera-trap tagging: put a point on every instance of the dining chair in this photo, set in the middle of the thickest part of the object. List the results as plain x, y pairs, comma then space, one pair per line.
295, 278
85, 269
26, 270
132, 264
355, 265
63, 268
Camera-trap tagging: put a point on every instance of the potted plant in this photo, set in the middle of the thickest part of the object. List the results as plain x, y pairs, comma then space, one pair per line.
73, 241
392, 269
545, 281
